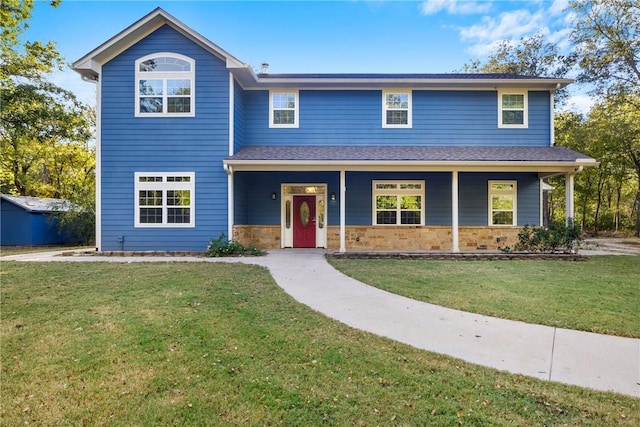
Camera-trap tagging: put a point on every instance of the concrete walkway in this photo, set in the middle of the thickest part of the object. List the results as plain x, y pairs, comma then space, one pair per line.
585, 359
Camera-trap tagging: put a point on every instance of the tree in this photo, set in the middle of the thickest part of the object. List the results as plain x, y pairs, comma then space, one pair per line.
530, 56
618, 127
44, 130
607, 39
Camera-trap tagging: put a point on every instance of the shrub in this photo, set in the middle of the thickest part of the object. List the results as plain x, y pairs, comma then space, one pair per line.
557, 238
221, 247
76, 222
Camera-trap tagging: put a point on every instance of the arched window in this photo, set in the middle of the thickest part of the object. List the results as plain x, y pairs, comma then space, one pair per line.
165, 85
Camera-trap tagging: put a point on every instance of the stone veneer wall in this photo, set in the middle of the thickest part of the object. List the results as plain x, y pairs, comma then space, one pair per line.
390, 238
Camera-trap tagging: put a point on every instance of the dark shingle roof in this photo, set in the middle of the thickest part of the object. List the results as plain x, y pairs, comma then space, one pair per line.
409, 153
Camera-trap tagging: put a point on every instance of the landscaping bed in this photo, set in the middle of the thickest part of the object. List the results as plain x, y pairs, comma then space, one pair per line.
460, 256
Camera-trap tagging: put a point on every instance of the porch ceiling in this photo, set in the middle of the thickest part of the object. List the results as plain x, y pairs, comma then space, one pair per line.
419, 158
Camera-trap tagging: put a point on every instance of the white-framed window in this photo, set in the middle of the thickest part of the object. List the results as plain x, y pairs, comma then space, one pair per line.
396, 108
284, 107
513, 108
165, 86
503, 202
165, 199
398, 203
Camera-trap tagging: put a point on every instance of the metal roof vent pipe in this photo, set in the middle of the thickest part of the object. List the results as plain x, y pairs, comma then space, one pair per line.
265, 68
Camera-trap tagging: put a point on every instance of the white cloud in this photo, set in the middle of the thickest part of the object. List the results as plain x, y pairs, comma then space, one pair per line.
558, 7
579, 103
509, 25
454, 7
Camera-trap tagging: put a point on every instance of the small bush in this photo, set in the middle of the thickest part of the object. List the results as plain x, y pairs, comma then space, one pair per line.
221, 247
557, 238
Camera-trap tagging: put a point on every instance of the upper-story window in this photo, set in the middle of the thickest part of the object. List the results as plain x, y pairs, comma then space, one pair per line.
512, 109
396, 108
283, 108
165, 85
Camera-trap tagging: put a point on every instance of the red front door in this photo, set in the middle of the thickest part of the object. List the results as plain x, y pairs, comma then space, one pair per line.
304, 221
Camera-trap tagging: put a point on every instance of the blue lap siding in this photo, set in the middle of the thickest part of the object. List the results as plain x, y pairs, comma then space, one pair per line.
132, 144
354, 117
257, 207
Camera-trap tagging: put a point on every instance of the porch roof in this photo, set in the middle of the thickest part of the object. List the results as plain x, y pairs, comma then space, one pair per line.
462, 158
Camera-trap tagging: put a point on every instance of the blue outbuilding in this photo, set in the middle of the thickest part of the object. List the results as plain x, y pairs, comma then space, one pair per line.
28, 221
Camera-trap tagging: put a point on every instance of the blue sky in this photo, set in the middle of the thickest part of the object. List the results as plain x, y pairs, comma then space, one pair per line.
428, 36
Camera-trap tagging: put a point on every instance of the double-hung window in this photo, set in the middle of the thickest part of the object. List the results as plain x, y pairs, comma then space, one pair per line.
165, 199
398, 202
503, 203
512, 109
396, 108
165, 86
283, 108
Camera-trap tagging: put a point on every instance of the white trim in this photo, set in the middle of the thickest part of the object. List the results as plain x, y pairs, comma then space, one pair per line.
343, 214
398, 192
286, 234
525, 94
569, 199
165, 186
552, 119
232, 113
385, 108
512, 192
406, 166
296, 109
455, 239
165, 76
99, 161
541, 202
230, 197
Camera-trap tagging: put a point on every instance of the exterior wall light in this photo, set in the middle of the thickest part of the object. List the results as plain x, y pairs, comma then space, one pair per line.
273, 195
333, 196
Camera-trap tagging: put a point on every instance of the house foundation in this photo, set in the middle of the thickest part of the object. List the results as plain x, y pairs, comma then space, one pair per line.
390, 238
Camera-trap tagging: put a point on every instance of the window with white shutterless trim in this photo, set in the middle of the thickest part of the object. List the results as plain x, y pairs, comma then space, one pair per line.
398, 203
284, 108
396, 108
513, 107
165, 86
503, 202
165, 199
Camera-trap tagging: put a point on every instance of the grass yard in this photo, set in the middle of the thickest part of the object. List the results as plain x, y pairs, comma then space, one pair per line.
123, 344
599, 295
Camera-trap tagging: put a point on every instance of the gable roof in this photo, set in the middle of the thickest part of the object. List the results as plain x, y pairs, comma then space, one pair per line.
90, 64
37, 204
421, 157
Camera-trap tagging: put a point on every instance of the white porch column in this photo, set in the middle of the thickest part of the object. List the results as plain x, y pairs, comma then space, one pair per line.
568, 193
455, 246
230, 211
343, 190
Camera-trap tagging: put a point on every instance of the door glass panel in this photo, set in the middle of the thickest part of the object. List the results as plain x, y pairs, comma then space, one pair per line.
305, 213
287, 214
321, 213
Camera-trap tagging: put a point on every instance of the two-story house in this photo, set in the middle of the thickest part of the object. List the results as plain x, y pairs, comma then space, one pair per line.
192, 143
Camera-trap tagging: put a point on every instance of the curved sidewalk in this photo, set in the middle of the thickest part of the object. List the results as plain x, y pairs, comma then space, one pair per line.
601, 362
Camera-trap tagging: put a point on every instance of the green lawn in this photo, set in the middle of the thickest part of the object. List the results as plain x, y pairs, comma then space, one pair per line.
599, 295
220, 344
